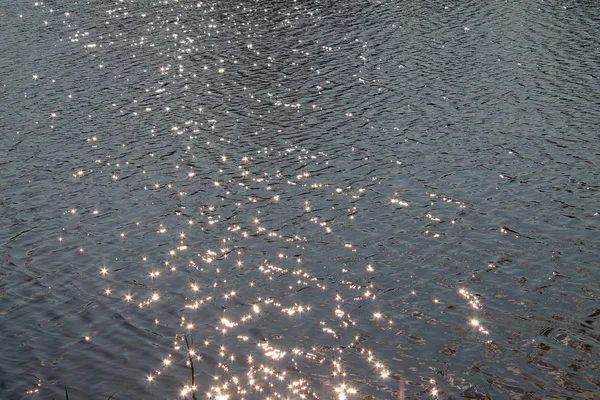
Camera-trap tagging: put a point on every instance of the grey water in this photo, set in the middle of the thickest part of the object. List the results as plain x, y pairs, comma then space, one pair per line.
299, 199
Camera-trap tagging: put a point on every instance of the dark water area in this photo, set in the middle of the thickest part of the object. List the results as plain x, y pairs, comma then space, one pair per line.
299, 199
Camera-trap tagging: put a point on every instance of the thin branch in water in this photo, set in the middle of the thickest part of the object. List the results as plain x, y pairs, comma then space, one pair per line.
191, 367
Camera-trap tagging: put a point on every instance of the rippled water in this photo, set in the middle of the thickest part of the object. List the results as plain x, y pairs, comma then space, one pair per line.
299, 199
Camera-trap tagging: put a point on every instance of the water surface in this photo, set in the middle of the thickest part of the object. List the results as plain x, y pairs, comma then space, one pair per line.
349, 200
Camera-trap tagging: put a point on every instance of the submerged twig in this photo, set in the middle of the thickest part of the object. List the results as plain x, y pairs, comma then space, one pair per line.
191, 367
487, 392
66, 393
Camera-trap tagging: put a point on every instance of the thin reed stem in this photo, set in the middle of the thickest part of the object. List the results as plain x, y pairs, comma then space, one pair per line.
191, 367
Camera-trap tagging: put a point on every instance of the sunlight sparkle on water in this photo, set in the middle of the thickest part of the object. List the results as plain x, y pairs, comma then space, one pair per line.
287, 324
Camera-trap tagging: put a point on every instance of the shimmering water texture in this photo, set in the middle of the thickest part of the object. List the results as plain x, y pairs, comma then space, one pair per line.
299, 199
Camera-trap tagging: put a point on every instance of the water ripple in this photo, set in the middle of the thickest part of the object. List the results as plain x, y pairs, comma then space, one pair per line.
302, 199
